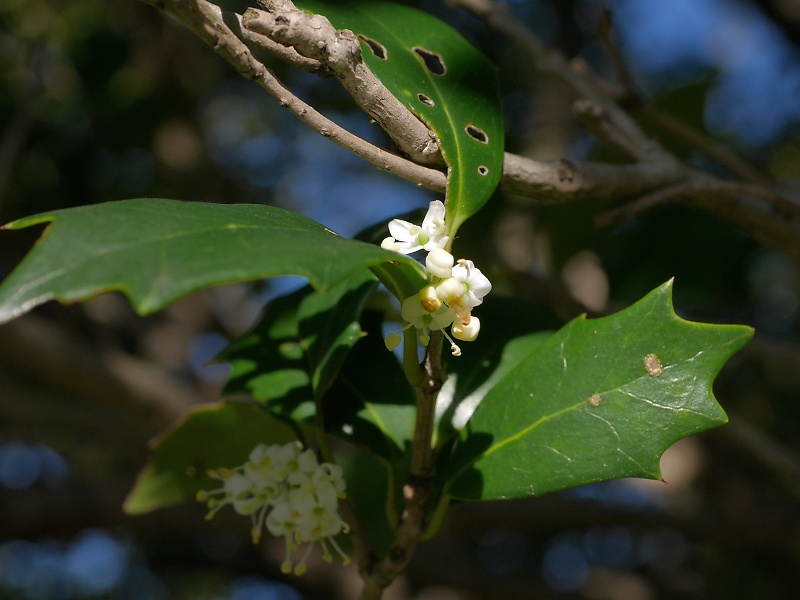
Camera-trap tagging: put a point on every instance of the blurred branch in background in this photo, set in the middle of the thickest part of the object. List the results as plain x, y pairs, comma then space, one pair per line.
121, 102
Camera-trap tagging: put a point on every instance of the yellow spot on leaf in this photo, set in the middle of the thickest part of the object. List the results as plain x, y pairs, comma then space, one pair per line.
652, 365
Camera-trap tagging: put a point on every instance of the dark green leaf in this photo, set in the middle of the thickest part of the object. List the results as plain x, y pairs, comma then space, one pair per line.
269, 362
329, 327
156, 251
209, 437
372, 405
598, 400
370, 489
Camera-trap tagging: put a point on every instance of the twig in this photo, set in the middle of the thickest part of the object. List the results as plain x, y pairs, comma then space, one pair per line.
285, 53
771, 455
339, 51
552, 63
32, 346
704, 144
204, 19
767, 216
594, 118
419, 485
707, 189
561, 181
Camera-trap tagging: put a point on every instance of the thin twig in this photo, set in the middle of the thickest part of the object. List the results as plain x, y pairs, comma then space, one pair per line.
696, 189
419, 486
549, 62
204, 19
339, 51
704, 144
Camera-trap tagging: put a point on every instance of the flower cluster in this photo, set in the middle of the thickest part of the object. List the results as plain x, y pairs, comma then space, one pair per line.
288, 492
455, 286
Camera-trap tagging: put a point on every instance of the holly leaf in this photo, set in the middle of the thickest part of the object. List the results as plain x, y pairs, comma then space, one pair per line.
600, 399
292, 356
372, 406
157, 251
510, 330
328, 324
208, 438
269, 362
310, 346
442, 79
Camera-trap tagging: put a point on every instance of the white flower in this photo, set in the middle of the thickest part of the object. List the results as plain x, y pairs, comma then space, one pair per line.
287, 492
407, 237
415, 312
476, 282
465, 289
466, 332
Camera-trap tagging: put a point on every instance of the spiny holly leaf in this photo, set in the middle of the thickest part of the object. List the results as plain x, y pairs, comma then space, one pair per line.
441, 78
600, 399
210, 437
156, 251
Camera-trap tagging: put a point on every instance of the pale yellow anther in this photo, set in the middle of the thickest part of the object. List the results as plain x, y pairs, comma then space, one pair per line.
429, 299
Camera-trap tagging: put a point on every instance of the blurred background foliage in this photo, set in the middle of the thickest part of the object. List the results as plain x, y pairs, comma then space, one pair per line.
103, 100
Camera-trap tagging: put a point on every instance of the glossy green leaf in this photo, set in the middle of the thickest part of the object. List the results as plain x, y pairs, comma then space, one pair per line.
372, 405
600, 399
292, 356
510, 330
369, 405
370, 489
269, 362
441, 78
329, 327
156, 251
209, 437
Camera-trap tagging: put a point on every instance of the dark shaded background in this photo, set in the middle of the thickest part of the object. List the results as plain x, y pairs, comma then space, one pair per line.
104, 100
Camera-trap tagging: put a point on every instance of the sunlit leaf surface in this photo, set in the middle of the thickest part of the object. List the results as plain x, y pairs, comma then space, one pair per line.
156, 251
600, 399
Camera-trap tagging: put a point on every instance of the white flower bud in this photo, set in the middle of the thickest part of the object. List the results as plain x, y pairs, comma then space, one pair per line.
389, 243
439, 263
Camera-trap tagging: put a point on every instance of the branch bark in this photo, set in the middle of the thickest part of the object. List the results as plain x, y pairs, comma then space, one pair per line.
654, 170
419, 486
339, 51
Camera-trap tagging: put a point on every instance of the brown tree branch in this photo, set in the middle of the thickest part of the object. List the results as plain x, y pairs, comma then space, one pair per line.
206, 21
339, 51
545, 182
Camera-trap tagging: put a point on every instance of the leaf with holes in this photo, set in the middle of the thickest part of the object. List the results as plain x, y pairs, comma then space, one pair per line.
598, 400
156, 251
441, 78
